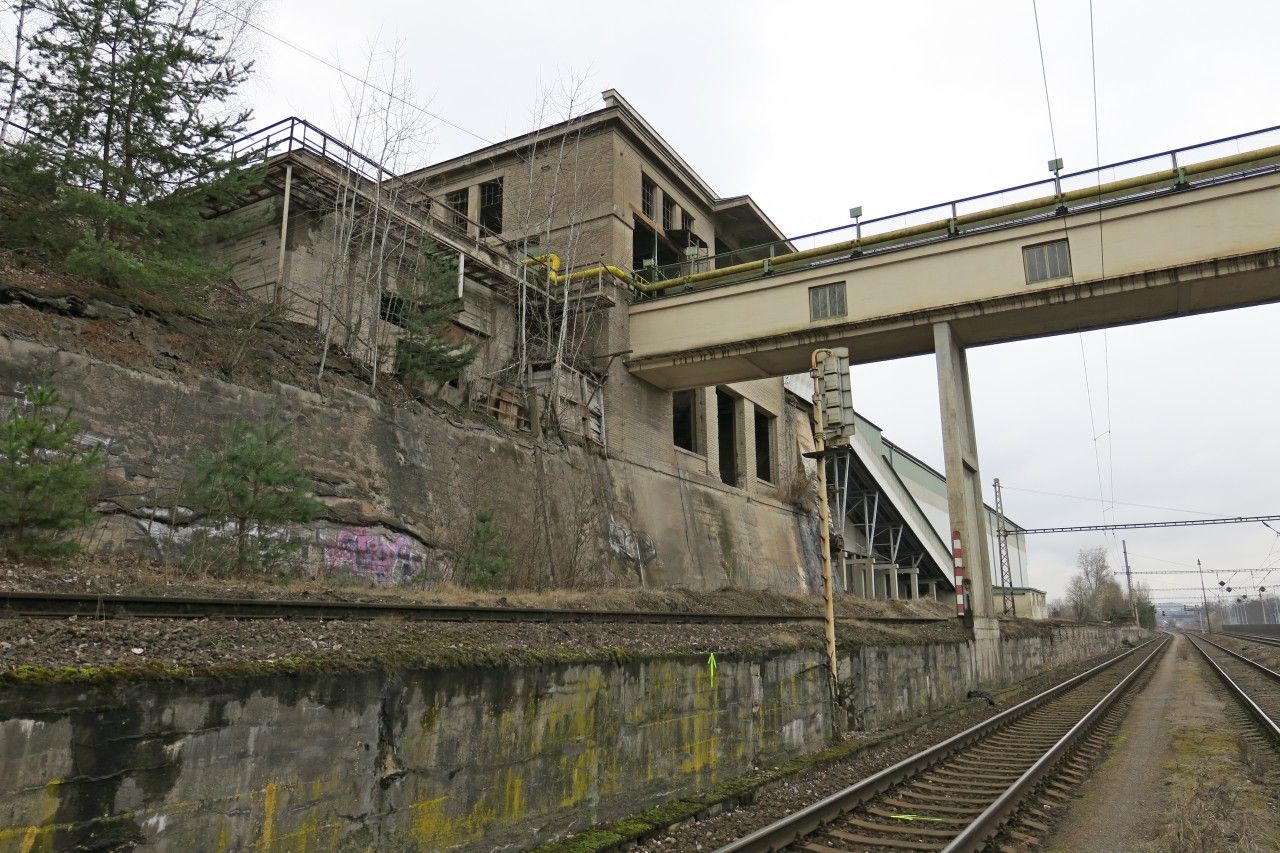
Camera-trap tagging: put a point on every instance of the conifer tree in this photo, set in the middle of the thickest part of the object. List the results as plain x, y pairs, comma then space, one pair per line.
47, 482
484, 563
127, 106
427, 349
254, 482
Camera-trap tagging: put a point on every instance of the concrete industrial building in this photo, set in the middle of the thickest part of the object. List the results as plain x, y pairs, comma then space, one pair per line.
708, 486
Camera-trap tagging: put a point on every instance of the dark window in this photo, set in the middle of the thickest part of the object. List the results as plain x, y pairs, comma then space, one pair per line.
668, 212
491, 205
1047, 261
647, 190
727, 430
457, 202
764, 445
684, 419
686, 221
392, 310
827, 300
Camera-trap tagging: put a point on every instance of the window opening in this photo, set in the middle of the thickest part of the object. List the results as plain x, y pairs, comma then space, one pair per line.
1047, 261
647, 190
684, 420
392, 309
458, 201
668, 212
491, 205
764, 445
827, 300
726, 429
686, 221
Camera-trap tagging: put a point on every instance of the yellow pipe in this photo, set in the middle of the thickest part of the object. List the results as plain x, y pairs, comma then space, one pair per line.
979, 216
552, 262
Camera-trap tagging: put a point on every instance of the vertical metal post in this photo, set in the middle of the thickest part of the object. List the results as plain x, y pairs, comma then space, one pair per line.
462, 263
824, 516
1208, 626
1128, 577
284, 233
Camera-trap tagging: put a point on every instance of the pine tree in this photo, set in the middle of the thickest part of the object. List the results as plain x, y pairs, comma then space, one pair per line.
126, 101
484, 563
253, 482
425, 350
47, 482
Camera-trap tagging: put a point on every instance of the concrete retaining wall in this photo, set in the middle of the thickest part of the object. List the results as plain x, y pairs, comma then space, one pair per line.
475, 760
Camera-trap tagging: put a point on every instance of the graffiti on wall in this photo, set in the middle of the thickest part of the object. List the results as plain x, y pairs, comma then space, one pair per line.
368, 554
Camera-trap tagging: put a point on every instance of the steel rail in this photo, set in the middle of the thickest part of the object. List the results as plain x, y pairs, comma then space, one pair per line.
808, 820
1255, 638
976, 835
1264, 720
62, 605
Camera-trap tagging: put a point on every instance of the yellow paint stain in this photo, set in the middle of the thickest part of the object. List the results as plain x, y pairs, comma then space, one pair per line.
270, 802
224, 838
29, 839
52, 790
514, 803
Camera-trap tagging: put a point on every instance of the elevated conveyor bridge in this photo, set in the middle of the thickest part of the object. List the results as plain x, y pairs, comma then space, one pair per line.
1176, 233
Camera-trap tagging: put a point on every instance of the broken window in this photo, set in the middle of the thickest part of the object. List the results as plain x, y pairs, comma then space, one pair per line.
491, 206
1047, 261
392, 310
668, 212
684, 420
457, 202
647, 191
727, 431
827, 300
764, 444
686, 221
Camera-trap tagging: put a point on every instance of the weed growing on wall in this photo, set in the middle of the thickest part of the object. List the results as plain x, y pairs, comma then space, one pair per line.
47, 479
254, 485
484, 563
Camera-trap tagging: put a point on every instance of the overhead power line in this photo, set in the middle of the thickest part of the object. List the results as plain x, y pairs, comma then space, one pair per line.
364, 81
1195, 522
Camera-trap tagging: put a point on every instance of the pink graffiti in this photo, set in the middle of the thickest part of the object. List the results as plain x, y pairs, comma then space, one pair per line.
366, 553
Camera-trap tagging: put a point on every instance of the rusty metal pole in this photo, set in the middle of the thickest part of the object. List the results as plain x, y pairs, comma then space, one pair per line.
824, 516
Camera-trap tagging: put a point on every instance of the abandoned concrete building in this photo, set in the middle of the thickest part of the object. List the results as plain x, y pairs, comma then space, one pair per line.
545, 232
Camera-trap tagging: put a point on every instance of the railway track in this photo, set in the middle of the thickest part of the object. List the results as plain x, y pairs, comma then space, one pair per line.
961, 793
1255, 638
57, 605
1255, 686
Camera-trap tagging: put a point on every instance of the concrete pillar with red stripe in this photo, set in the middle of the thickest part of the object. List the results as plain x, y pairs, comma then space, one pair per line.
957, 552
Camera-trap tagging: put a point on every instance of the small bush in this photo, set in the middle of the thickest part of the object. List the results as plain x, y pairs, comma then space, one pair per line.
484, 563
47, 480
254, 486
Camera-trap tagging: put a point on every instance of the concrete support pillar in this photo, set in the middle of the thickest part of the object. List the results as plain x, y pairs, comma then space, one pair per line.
964, 481
964, 498
914, 574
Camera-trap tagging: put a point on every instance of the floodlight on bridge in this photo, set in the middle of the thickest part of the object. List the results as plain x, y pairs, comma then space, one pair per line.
855, 213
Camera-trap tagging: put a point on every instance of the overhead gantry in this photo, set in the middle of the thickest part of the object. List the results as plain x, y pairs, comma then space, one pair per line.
1189, 232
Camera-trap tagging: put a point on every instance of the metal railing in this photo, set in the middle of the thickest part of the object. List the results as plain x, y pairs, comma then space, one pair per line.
294, 135
1088, 189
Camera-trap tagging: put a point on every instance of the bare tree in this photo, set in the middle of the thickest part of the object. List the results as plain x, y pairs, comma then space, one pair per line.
373, 240
1079, 597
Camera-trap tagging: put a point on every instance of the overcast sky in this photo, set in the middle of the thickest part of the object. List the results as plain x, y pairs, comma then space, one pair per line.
812, 108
